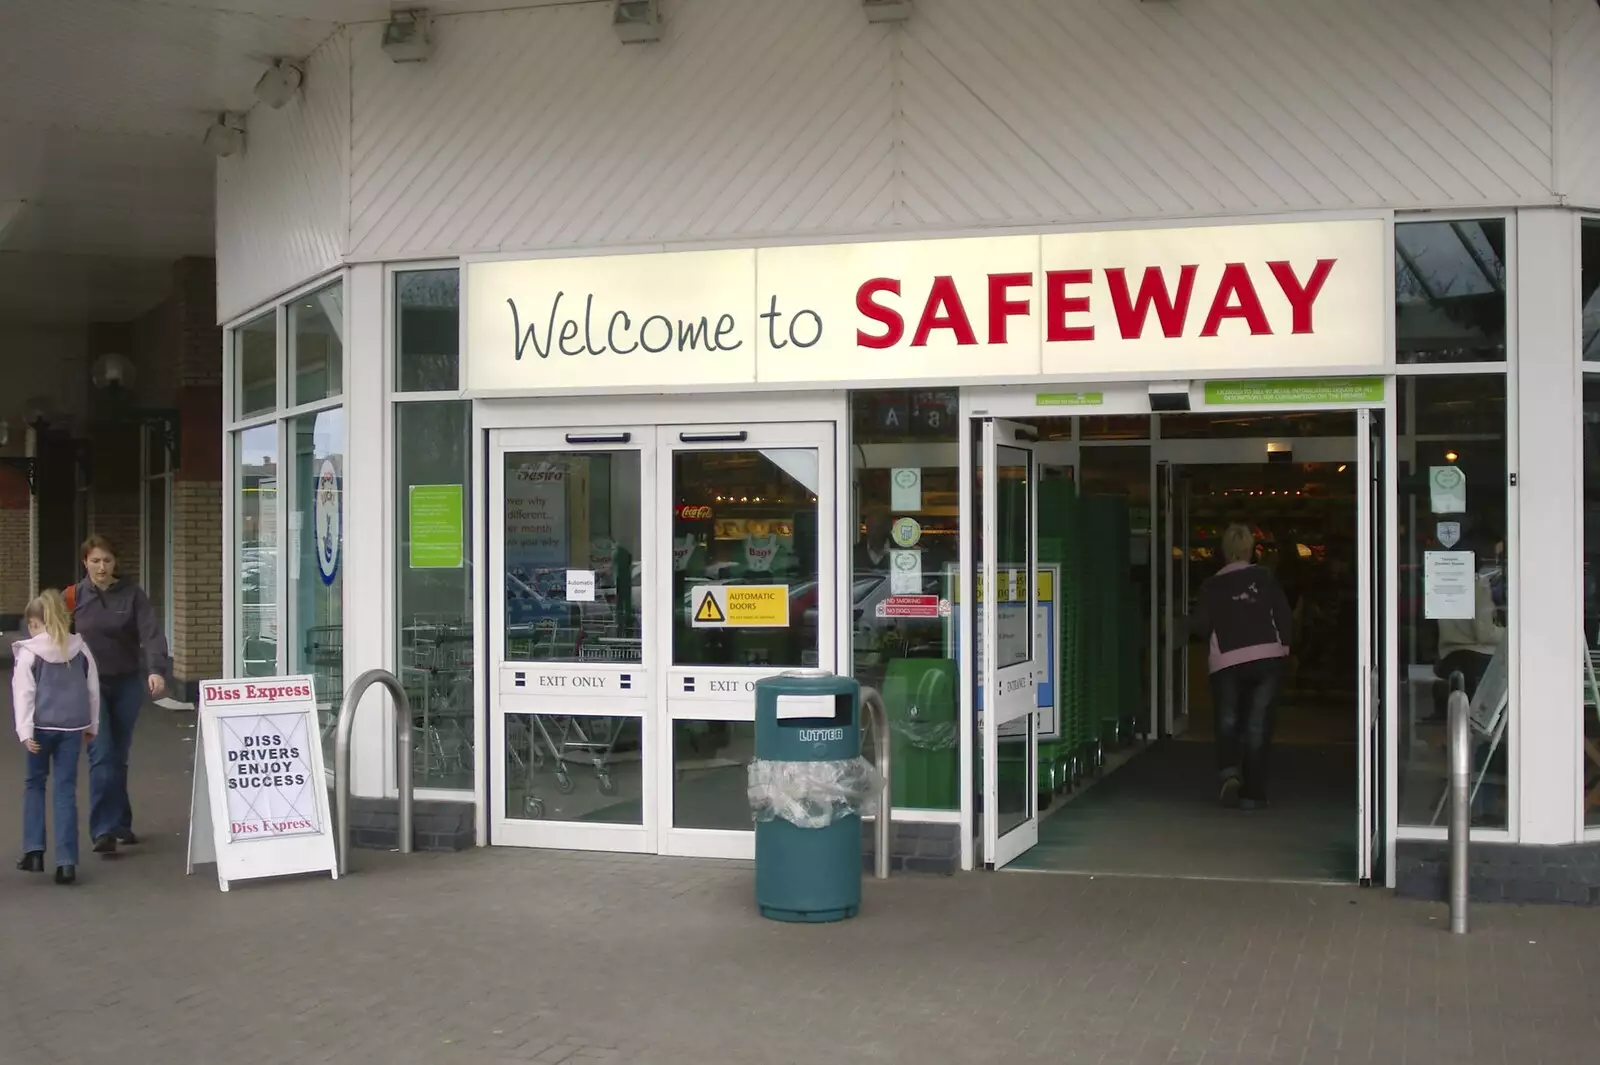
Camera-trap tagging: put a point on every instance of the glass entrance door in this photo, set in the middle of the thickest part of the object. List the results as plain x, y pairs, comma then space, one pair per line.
1372, 555
1006, 612
643, 579
571, 723
748, 590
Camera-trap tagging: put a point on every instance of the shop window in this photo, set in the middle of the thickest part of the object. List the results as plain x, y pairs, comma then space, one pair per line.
1590, 239
433, 586
316, 345
1591, 599
1452, 504
255, 479
906, 497
316, 561
255, 366
1450, 291
427, 330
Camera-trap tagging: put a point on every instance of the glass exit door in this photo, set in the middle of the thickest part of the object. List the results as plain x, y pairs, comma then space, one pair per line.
643, 578
1005, 614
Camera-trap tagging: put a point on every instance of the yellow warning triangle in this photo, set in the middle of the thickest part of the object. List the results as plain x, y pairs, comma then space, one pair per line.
709, 610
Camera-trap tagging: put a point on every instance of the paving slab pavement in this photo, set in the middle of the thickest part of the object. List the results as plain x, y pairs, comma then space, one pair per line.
504, 955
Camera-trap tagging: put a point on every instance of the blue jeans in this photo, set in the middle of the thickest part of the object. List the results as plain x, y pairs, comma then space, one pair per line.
58, 758
110, 812
1246, 701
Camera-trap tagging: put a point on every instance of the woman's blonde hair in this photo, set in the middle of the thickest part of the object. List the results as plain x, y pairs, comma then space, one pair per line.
1238, 543
50, 610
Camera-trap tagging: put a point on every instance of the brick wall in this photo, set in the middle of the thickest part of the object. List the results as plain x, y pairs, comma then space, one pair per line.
196, 583
16, 558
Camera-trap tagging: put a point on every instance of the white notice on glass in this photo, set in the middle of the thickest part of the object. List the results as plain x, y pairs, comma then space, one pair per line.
905, 572
1449, 581
580, 585
1447, 490
905, 489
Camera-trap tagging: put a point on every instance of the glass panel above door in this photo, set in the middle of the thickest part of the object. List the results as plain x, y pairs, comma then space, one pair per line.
745, 518
572, 556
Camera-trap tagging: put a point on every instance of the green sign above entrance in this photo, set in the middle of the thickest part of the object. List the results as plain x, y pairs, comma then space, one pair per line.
1295, 392
1069, 399
436, 526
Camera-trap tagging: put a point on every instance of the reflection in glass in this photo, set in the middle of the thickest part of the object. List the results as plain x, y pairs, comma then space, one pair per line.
1590, 236
256, 527
158, 542
316, 345
1222, 425
1014, 786
562, 767
433, 457
1013, 620
745, 518
1435, 517
316, 561
1450, 291
709, 776
569, 514
1591, 599
427, 330
255, 352
906, 474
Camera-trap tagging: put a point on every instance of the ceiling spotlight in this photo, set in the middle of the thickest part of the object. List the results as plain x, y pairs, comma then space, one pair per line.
408, 38
225, 136
887, 10
279, 84
636, 21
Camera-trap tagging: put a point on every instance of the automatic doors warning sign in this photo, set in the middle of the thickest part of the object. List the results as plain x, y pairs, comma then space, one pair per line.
740, 606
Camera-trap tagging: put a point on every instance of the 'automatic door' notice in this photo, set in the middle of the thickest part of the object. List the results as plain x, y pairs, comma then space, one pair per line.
740, 606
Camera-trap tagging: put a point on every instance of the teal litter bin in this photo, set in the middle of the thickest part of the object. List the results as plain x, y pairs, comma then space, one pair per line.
808, 788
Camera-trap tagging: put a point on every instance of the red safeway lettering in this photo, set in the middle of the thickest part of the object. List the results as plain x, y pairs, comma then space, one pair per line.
1236, 298
894, 325
1001, 306
1171, 310
1302, 297
1057, 305
943, 295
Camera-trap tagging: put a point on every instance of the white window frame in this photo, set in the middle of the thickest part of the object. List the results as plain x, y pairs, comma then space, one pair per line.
1405, 448
278, 417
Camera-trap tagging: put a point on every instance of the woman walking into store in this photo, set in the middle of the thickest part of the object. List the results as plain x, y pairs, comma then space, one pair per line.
1245, 619
55, 697
115, 619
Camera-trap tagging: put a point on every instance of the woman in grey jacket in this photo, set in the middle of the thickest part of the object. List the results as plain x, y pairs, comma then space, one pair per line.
116, 620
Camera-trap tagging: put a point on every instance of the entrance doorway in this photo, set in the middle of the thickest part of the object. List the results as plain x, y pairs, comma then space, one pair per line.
645, 576
1098, 531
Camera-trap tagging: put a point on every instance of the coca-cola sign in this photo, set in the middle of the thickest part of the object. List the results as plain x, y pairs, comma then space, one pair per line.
692, 512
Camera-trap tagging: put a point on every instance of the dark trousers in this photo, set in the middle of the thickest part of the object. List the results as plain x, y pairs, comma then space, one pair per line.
110, 812
1246, 701
1470, 664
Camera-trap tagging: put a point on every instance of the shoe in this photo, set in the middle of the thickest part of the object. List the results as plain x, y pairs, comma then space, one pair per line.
31, 862
105, 844
126, 837
1254, 804
1230, 793
66, 874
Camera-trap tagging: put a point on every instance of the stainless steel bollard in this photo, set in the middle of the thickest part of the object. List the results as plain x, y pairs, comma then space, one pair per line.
1460, 726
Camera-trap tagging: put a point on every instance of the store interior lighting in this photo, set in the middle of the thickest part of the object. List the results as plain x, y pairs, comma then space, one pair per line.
279, 84
636, 21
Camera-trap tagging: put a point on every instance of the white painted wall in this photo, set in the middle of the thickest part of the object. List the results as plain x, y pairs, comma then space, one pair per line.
534, 128
1577, 35
282, 202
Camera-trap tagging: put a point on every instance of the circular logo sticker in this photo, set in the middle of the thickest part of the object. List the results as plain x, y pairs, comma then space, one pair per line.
1447, 477
907, 478
906, 532
326, 522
